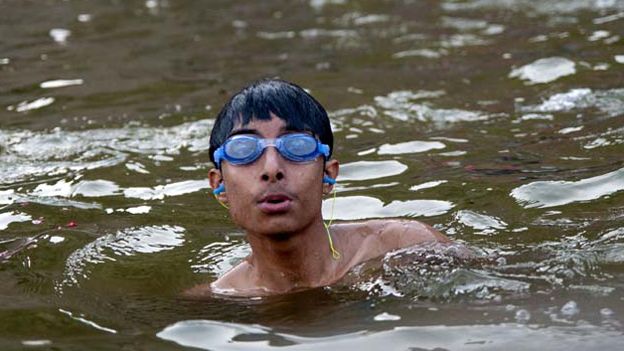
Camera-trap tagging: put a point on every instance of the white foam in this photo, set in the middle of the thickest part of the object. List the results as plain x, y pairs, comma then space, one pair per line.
386, 317
159, 192
427, 185
410, 147
7, 218
609, 102
34, 105
599, 34
570, 130
484, 224
426, 53
84, 17
139, 209
59, 83
60, 35
544, 70
364, 170
370, 207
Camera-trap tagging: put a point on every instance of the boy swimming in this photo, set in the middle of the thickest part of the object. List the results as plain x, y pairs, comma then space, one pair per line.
272, 145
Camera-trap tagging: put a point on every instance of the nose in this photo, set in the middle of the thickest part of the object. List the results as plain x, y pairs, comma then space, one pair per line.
272, 165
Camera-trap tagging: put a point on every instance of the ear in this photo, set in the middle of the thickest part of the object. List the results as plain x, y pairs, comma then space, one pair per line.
216, 178
331, 170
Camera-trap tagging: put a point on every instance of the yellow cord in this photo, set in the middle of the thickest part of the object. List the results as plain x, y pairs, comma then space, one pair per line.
221, 203
335, 254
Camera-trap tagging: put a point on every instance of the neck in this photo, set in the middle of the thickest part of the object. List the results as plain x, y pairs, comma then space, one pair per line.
288, 261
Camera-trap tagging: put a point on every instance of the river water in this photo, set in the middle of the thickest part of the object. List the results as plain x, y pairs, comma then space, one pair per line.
499, 122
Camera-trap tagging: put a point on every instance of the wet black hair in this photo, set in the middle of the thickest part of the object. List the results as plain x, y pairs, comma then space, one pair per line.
286, 100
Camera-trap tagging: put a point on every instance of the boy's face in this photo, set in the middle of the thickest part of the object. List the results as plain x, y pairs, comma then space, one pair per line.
273, 195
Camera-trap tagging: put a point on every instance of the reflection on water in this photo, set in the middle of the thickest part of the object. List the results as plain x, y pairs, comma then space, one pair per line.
369, 207
26, 154
364, 170
499, 122
110, 247
214, 335
557, 193
608, 102
544, 70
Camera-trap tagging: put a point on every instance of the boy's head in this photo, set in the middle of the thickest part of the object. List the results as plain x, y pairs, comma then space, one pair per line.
298, 109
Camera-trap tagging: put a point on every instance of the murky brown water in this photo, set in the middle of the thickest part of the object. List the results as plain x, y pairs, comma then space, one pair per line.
498, 122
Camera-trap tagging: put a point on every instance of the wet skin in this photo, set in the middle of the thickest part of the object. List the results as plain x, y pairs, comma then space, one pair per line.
278, 204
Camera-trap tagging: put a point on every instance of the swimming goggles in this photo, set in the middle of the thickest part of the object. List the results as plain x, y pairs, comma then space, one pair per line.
245, 149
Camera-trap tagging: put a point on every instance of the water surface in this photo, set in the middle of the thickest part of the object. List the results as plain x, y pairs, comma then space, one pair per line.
500, 123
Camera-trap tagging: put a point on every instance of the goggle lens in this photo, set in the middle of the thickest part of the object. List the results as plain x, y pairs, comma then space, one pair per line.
300, 146
240, 148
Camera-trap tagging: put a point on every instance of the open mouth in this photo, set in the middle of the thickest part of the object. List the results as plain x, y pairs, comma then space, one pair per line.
274, 203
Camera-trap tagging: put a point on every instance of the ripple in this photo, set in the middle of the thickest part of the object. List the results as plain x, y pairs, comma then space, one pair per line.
7, 218
609, 102
400, 105
159, 192
212, 335
370, 207
314, 33
426, 53
27, 154
484, 224
219, 257
461, 40
572, 261
59, 83
410, 147
427, 185
60, 35
32, 105
544, 70
216, 335
364, 170
537, 7
56, 194
139, 209
544, 194
127, 242
276, 35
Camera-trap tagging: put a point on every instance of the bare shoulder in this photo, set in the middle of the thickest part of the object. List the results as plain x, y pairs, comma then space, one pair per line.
403, 233
402, 230
376, 237
234, 280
